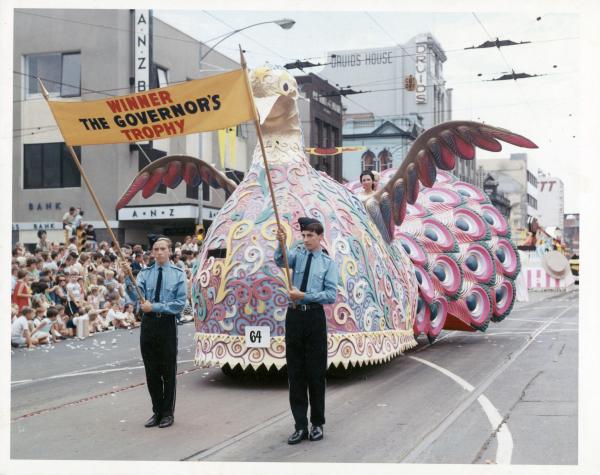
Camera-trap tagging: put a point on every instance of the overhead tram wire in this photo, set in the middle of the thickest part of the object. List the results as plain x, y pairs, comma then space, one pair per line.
305, 121
523, 97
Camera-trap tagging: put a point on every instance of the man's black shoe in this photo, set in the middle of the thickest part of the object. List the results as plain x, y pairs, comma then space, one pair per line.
166, 422
298, 436
153, 421
316, 433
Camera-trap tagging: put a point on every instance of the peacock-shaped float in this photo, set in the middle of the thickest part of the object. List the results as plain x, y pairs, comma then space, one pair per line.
425, 252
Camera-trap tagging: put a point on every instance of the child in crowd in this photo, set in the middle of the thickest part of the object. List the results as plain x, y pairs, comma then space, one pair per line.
114, 315
65, 322
82, 322
130, 316
42, 331
95, 321
20, 331
94, 298
39, 315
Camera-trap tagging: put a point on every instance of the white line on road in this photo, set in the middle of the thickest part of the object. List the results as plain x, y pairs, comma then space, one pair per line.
84, 373
413, 455
505, 442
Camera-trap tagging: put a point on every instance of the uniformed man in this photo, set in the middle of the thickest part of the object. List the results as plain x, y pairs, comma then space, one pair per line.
315, 279
163, 286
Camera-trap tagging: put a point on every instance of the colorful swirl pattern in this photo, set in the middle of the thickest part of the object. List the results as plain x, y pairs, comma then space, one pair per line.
372, 318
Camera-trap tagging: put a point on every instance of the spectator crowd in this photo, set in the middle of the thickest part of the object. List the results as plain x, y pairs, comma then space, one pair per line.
68, 290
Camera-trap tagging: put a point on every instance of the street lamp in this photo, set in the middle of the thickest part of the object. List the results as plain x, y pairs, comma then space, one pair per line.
285, 23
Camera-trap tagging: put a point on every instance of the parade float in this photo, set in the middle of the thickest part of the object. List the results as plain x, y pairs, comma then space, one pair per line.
425, 252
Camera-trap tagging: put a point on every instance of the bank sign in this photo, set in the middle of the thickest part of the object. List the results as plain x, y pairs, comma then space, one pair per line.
146, 213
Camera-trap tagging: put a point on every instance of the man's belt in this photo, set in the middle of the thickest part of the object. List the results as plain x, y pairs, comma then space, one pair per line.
159, 314
305, 307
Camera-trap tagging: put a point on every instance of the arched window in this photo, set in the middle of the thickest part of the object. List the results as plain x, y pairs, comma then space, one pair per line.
385, 159
367, 160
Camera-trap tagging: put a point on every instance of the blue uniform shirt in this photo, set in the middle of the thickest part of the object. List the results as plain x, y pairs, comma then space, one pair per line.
322, 279
173, 295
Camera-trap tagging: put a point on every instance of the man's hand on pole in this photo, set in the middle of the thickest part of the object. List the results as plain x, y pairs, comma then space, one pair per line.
281, 236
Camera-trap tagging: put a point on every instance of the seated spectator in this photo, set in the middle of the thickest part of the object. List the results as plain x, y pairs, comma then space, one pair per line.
90, 238
39, 313
55, 329
72, 247
94, 298
130, 315
95, 322
41, 332
40, 297
104, 322
22, 293
42, 244
77, 265
177, 261
112, 293
62, 320
13, 273
68, 262
189, 245
82, 323
74, 296
60, 290
31, 267
20, 332
138, 261
86, 264
115, 315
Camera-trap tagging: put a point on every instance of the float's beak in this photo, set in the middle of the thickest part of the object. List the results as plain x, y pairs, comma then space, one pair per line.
264, 106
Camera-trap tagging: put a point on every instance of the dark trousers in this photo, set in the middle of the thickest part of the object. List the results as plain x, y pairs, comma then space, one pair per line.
158, 343
306, 358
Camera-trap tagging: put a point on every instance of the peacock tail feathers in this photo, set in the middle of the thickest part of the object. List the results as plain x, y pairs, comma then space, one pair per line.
465, 263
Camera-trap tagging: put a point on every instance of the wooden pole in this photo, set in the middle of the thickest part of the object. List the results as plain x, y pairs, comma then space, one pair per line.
96, 202
264, 155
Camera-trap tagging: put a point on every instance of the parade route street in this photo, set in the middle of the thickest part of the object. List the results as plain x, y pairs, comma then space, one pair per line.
509, 395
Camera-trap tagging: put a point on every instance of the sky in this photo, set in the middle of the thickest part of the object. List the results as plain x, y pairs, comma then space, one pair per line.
544, 108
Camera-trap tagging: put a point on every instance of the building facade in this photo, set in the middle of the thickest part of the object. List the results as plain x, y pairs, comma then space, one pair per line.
571, 232
519, 184
402, 80
320, 110
551, 204
92, 54
385, 142
396, 85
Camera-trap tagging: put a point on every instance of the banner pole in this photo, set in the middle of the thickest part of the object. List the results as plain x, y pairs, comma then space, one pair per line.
264, 155
96, 202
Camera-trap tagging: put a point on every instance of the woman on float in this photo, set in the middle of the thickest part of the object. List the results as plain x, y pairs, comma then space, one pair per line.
369, 184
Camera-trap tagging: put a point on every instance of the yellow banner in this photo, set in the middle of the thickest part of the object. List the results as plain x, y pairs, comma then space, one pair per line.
195, 106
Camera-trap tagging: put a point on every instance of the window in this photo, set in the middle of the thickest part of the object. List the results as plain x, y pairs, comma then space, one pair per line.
60, 73
367, 160
531, 201
385, 159
152, 154
49, 165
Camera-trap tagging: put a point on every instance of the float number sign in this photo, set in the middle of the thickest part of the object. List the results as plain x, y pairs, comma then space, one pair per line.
258, 337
